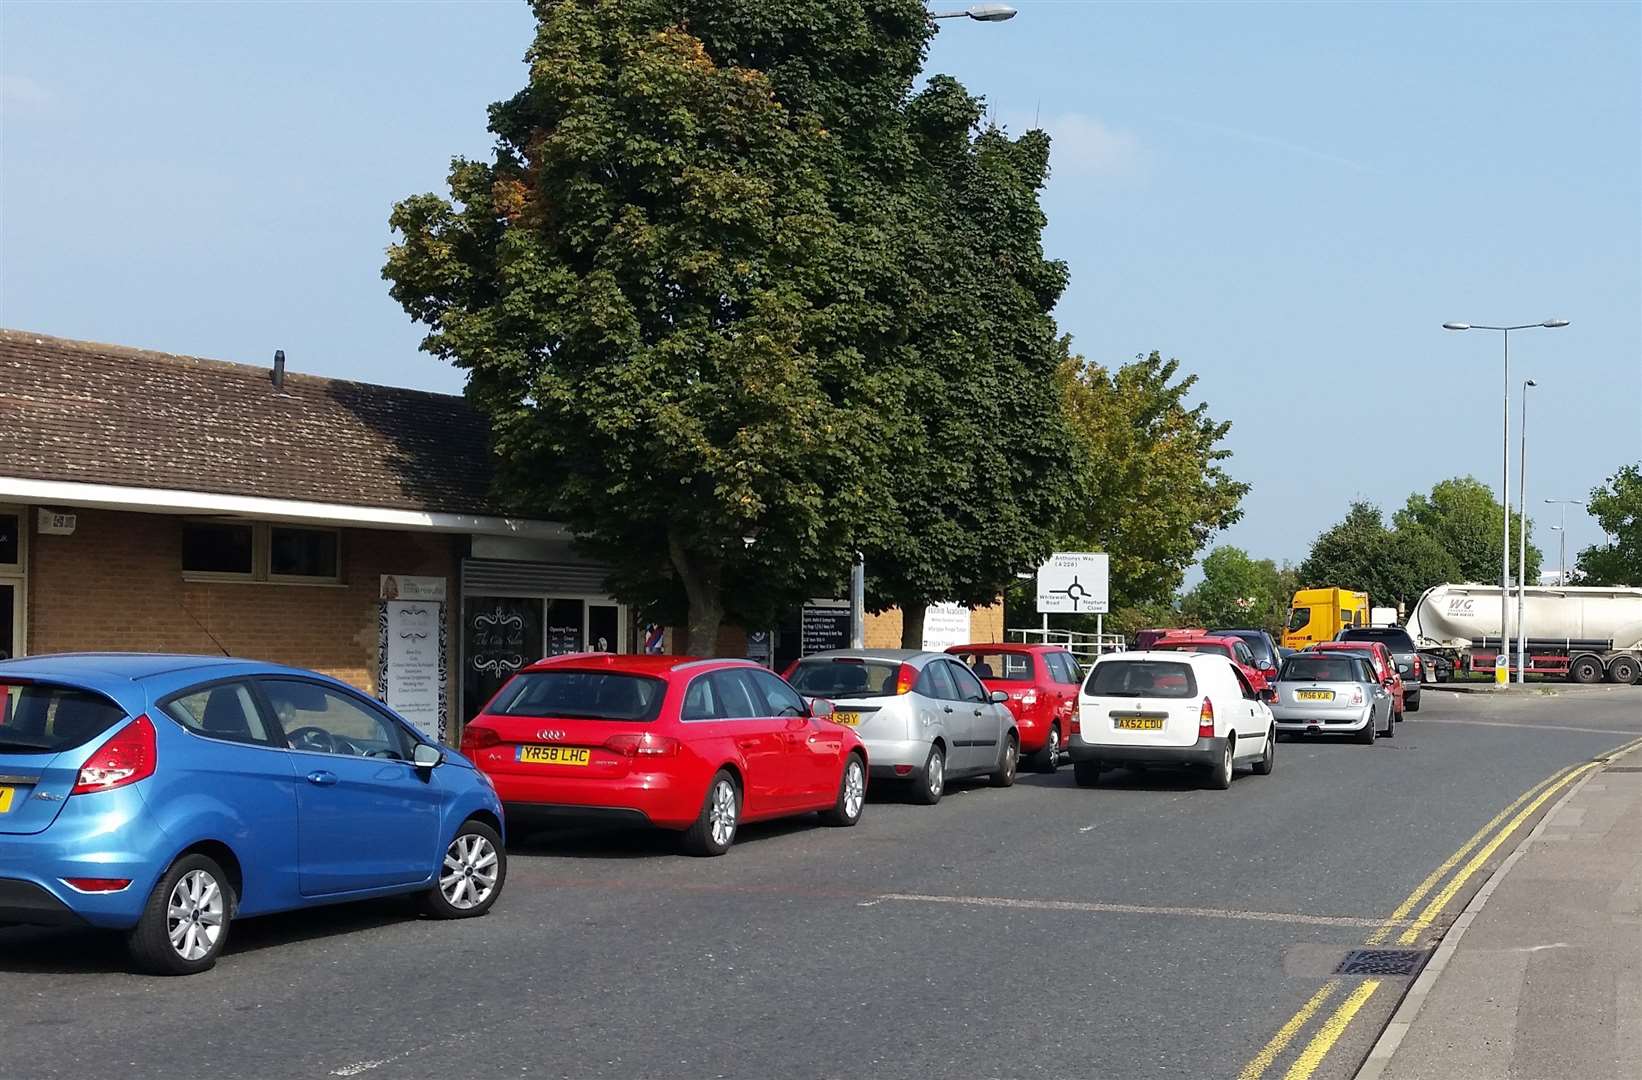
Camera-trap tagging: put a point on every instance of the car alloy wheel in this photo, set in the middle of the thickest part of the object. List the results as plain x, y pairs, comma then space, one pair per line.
855, 789
935, 775
1051, 751
721, 815
469, 872
194, 915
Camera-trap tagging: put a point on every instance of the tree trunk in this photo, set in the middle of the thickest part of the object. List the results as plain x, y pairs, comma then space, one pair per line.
912, 625
700, 577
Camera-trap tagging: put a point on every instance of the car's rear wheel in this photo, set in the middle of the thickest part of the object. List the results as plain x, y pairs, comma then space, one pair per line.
715, 827
1220, 773
931, 783
1268, 759
1366, 735
1086, 773
1009, 764
184, 926
1047, 760
1414, 704
471, 874
852, 795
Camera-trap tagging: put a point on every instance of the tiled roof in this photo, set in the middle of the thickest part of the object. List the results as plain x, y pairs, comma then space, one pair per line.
104, 414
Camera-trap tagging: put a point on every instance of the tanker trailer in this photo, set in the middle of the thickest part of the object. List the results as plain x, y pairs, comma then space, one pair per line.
1581, 633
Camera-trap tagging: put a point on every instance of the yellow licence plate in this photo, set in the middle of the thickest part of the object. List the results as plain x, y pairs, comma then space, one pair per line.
555, 755
5, 799
1138, 723
850, 718
1314, 695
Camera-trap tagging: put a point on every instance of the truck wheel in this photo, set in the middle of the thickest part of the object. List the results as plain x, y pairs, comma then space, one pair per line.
1622, 670
1585, 670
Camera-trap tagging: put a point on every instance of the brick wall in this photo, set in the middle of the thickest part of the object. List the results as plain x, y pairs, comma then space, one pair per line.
117, 584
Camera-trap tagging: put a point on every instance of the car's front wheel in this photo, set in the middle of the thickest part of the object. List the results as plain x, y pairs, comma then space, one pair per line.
1390, 731
470, 876
1268, 760
852, 795
184, 927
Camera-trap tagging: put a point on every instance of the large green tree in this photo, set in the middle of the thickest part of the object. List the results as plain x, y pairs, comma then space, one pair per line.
1463, 517
982, 455
1394, 566
1617, 507
675, 287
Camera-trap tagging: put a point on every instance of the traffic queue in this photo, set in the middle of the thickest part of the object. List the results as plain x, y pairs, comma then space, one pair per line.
167, 796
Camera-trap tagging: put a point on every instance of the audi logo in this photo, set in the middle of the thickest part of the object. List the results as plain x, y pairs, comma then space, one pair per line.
549, 734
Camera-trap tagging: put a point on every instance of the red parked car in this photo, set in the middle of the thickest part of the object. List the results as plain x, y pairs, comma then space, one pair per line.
1232, 648
698, 746
1385, 666
1042, 683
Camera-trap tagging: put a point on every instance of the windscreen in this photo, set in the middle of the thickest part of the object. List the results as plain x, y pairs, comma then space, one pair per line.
1003, 666
1141, 678
841, 677
1320, 669
1396, 639
1298, 618
37, 718
582, 695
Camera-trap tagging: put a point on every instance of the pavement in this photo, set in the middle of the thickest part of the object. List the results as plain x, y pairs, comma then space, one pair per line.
1541, 977
1145, 928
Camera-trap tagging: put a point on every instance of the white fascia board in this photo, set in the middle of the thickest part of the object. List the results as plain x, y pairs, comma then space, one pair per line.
168, 501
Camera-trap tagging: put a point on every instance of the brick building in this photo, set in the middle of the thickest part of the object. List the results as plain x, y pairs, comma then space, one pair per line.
155, 502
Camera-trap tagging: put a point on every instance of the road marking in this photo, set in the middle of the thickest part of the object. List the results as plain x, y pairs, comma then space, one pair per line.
1321, 1043
1285, 1034
1132, 909
1434, 908
1535, 727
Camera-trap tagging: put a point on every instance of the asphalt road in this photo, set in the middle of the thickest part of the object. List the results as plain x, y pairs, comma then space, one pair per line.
1142, 929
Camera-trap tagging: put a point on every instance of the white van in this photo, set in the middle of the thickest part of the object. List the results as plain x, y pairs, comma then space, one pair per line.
1170, 708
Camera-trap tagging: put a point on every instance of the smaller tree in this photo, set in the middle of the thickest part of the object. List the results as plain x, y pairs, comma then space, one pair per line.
1617, 507
1350, 555
1462, 515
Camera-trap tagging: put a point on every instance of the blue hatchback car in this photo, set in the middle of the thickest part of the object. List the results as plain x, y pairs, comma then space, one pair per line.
168, 795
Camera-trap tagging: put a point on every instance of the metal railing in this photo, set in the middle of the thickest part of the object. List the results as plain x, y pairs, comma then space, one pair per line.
1084, 646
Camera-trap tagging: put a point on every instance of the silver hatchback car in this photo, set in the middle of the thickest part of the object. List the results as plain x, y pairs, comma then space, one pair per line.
924, 717
1335, 692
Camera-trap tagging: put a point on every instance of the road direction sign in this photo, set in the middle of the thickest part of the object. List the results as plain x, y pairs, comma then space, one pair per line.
1073, 581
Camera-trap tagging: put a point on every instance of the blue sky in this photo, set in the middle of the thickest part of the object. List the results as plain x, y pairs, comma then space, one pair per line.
1290, 198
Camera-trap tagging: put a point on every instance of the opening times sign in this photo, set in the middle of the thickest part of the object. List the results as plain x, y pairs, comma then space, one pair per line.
1073, 582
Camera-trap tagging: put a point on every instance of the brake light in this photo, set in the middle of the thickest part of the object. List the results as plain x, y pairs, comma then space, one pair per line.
1205, 720
124, 759
645, 746
905, 678
1076, 726
479, 737
1419, 669
1356, 695
96, 884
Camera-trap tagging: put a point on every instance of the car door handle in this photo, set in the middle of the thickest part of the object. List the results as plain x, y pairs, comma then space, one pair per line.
978, 712
946, 708
322, 777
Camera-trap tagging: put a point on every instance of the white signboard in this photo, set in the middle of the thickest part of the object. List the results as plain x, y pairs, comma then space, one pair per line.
945, 625
55, 523
1073, 581
413, 663
406, 587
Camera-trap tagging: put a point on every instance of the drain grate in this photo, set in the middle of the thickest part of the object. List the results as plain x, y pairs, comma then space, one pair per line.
1382, 962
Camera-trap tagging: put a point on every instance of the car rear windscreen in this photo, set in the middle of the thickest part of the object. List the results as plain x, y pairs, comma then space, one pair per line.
582, 695
1141, 678
1005, 666
1395, 639
38, 718
838, 676
1320, 669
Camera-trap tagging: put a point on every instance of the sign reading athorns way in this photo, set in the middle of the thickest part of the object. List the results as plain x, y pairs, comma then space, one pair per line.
1073, 581
411, 650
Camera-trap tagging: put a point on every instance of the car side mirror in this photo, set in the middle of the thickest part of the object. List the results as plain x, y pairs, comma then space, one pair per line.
820, 708
997, 697
427, 757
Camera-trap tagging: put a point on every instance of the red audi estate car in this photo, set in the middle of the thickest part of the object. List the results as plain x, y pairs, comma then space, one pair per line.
698, 746
1042, 684
1234, 649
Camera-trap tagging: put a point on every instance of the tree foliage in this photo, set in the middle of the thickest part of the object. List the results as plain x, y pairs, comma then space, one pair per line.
675, 290
1617, 507
1241, 591
1464, 518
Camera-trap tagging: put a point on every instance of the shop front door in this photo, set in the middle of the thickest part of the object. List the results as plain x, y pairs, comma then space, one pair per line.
500, 635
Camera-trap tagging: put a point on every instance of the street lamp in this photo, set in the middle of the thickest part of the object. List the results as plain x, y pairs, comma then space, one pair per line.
979, 12
1522, 538
1562, 574
1502, 672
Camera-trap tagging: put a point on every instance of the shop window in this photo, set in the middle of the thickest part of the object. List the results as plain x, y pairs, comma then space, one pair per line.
11, 543
302, 553
217, 548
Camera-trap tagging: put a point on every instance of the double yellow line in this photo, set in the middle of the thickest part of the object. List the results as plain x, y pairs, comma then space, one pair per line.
1309, 1058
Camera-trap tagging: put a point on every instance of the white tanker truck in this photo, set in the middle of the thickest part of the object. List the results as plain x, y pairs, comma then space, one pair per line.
1584, 634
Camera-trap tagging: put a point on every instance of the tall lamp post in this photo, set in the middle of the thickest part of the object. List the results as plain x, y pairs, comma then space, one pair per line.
978, 12
1502, 671
1522, 538
1562, 561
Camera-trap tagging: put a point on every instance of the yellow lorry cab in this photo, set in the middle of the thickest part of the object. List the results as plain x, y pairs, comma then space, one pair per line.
1319, 614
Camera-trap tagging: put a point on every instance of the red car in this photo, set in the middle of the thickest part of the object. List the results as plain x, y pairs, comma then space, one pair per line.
698, 746
1042, 683
1385, 667
1234, 649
